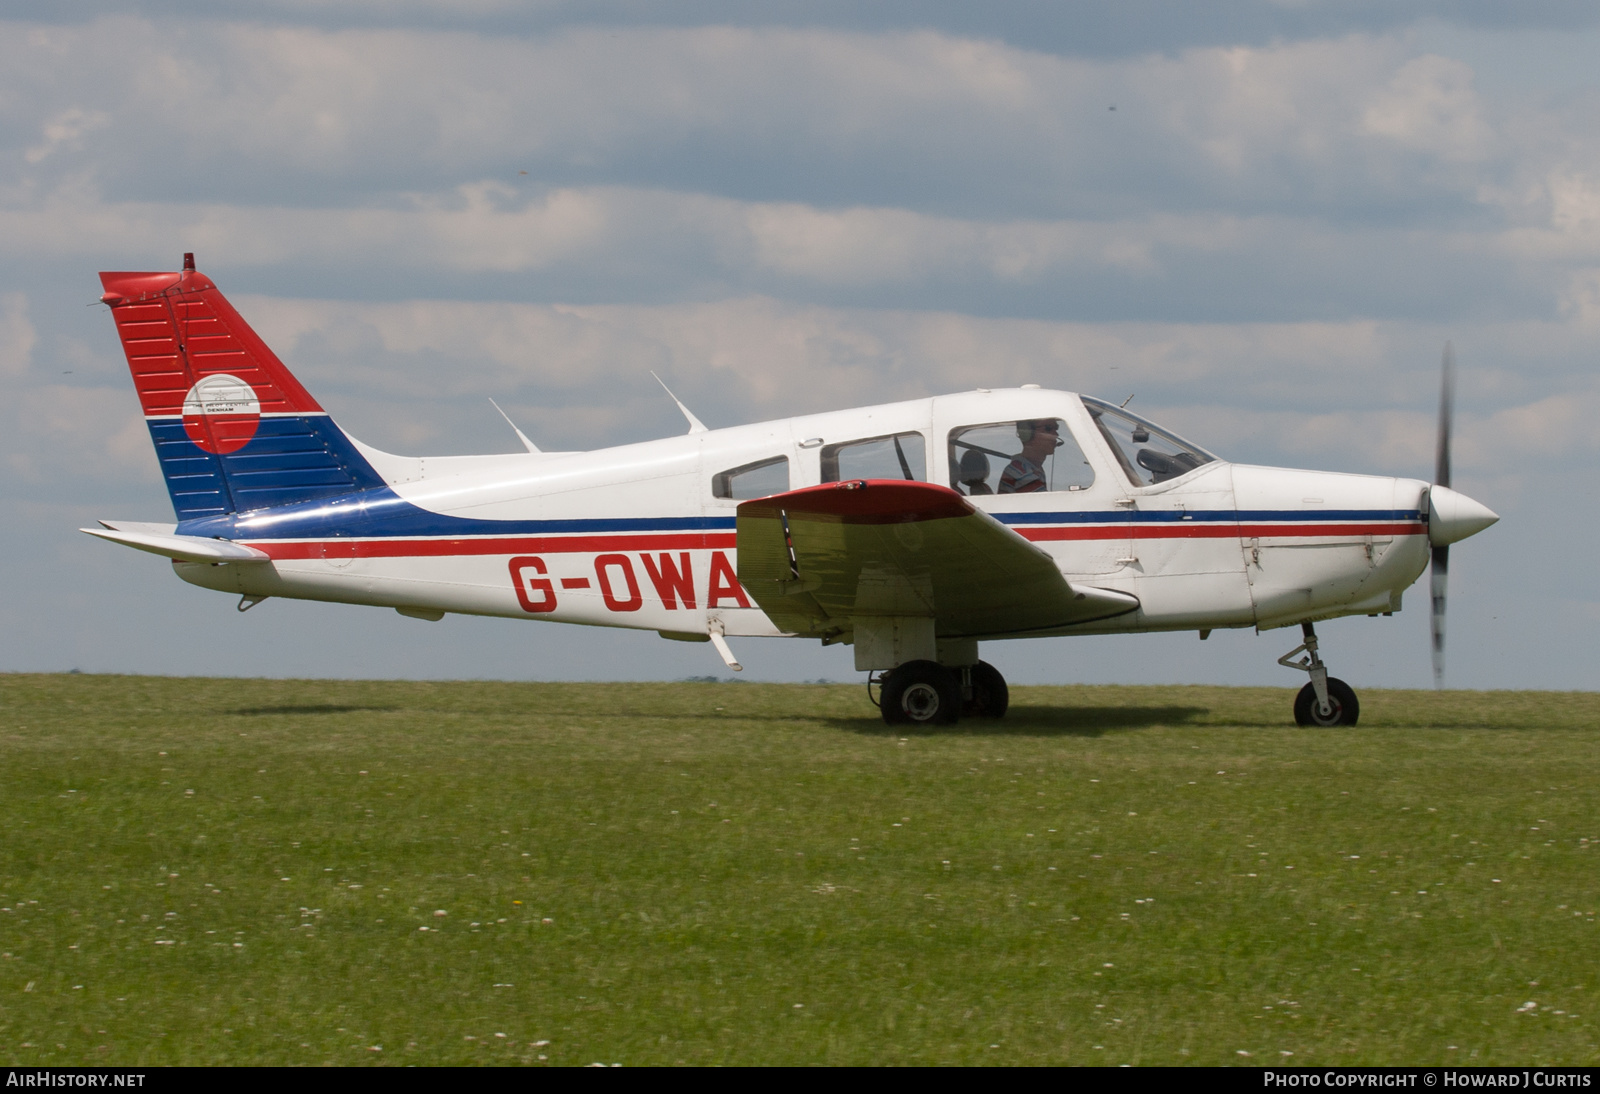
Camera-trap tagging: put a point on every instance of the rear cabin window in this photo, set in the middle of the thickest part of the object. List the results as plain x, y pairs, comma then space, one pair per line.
899, 456
752, 480
1023, 457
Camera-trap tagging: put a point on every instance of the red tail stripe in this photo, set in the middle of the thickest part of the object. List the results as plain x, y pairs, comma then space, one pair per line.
178, 329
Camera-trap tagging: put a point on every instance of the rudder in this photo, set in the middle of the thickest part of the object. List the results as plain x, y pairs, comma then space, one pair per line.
234, 430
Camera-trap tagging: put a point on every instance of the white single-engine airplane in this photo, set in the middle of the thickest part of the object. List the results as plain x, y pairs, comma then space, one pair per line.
912, 531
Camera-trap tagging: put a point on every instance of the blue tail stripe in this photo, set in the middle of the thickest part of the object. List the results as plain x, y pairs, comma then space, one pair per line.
288, 461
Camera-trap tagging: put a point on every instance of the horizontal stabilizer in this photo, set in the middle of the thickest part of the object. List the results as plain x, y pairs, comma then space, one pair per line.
818, 558
159, 540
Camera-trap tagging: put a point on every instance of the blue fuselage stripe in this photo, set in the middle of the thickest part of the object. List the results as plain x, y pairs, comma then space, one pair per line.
381, 513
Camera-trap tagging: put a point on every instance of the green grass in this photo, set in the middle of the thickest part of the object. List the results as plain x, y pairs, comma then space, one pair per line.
200, 871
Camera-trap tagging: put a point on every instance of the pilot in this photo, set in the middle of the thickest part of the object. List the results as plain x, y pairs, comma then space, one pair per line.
974, 472
1025, 473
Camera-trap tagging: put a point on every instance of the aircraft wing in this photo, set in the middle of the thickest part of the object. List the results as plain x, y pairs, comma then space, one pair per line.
816, 558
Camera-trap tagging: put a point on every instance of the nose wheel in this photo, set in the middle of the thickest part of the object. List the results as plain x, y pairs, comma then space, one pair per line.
1326, 700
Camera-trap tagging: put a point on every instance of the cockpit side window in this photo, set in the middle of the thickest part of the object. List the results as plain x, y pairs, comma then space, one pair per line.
899, 456
1148, 454
1025, 457
752, 480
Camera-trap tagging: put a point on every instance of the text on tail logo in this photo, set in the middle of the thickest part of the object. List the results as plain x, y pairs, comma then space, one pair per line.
221, 413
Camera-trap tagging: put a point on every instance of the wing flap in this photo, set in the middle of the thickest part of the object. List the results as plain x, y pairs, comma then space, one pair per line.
815, 559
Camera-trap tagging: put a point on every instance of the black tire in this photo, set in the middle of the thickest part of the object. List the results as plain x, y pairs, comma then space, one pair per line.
990, 696
1346, 709
921, 693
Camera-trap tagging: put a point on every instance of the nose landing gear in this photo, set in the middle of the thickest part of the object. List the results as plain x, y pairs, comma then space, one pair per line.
1326, 700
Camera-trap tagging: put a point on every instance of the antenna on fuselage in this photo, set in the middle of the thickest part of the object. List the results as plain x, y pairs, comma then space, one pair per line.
521, 436
1125, 402
695, 424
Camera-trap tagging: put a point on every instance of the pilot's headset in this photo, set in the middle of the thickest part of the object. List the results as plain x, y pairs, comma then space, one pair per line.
1026, 430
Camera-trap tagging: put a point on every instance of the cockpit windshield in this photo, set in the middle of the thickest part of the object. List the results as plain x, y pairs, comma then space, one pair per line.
1148, 454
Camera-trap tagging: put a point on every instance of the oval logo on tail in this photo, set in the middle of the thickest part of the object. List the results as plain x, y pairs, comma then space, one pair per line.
221, 413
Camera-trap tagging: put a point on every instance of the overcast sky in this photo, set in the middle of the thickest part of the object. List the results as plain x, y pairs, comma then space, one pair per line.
1262, 219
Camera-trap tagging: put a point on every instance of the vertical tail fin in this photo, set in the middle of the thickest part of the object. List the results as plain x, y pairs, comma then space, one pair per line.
234, 431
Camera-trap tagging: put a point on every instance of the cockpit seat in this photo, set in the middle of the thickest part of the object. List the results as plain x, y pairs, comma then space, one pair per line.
974, 472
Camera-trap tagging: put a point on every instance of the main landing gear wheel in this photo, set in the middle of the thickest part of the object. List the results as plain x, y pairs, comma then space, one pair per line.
1344, 708
990, 696
921, 693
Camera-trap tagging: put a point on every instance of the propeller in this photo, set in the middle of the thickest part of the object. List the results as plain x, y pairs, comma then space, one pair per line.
1440, 574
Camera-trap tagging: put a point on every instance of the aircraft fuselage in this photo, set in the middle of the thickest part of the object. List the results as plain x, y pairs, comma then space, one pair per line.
635, 536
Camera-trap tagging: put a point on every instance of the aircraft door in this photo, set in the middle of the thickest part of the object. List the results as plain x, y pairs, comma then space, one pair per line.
1032, 475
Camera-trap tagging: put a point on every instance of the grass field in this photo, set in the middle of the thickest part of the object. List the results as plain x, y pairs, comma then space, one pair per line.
268, 871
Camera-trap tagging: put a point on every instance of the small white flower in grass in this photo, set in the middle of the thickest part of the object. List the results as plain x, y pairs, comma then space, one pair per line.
499, 1035
799, 1006
1242, 1052
440, 913
547, 922
1526, 1007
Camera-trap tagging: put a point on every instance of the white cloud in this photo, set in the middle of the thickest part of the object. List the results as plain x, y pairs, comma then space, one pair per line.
66, 130
17, 336
935, 117
1430, 106
57, 433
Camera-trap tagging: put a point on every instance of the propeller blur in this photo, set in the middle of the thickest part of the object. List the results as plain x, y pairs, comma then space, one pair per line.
911, 532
